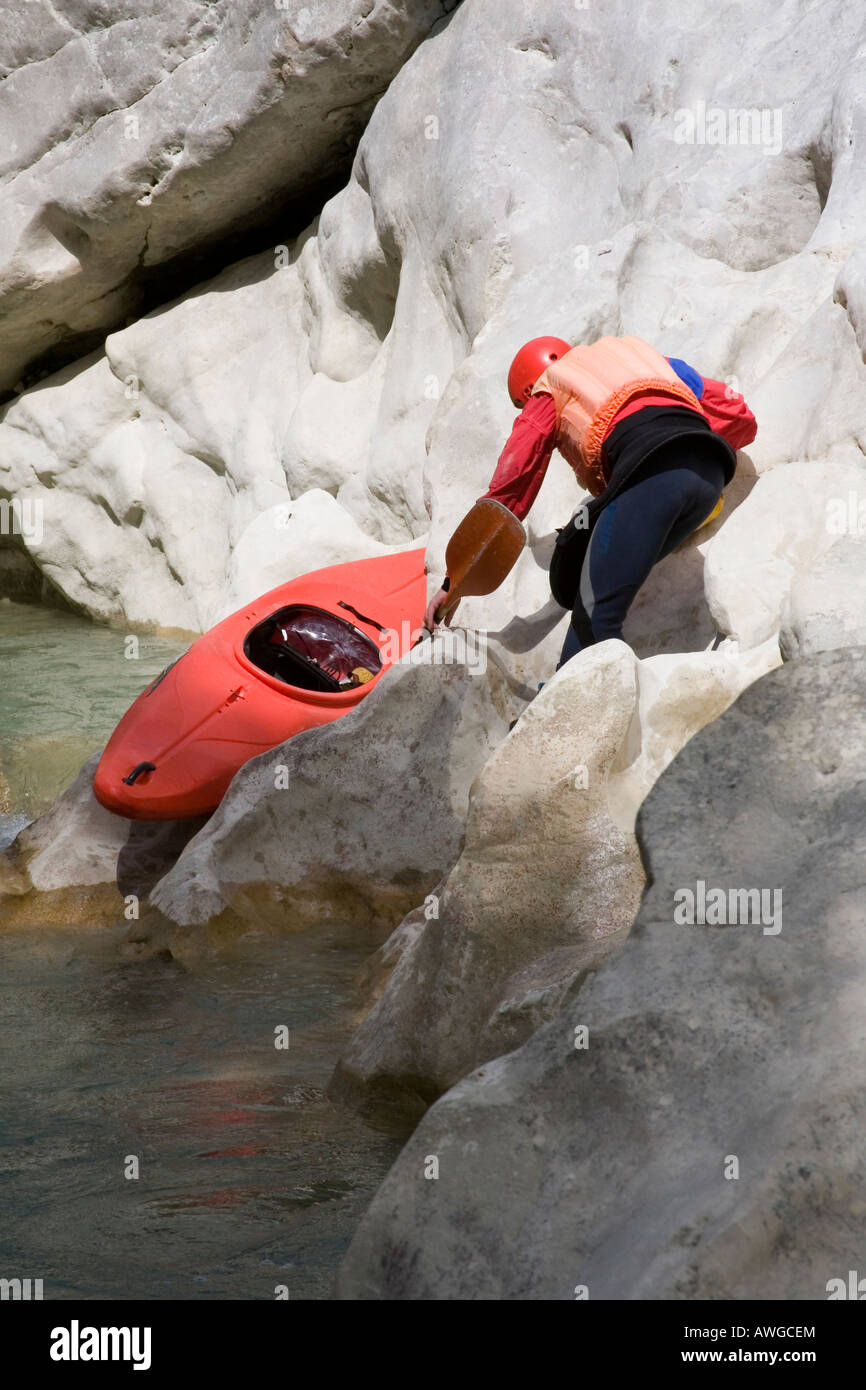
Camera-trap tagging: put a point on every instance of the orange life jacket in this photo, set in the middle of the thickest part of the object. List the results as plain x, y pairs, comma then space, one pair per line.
589, 385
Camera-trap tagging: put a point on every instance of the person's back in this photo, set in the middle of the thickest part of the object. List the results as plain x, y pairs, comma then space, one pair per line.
652, 441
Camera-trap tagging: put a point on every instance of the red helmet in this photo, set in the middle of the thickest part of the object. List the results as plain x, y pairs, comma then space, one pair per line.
533, 359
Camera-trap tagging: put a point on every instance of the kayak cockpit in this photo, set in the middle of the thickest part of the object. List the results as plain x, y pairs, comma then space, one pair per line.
312, 649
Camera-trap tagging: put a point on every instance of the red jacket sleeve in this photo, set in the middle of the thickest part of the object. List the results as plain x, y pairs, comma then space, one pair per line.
523, 462
728, 414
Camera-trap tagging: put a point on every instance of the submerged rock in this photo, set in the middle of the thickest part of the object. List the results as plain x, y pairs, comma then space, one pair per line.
701, 1139
549, 879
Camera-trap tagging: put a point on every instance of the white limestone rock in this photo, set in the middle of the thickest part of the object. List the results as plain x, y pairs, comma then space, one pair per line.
135, 134
79, 865
826, 607
277, 545
76, 842
62, 868
357, 818
768, 548
549, 879
598, 1159
370, 364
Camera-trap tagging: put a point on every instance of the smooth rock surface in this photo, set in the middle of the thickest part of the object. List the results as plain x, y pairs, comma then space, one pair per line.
136, 134
826, 606
80, 865
62, 868
360, 817
763, 564
549, 879
607, 1171
368, 360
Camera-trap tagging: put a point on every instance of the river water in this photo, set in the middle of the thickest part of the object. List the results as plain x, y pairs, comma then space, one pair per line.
154, 1140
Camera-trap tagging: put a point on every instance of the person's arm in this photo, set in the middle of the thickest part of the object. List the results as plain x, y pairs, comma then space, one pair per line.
518, 475
523, 462
725, 409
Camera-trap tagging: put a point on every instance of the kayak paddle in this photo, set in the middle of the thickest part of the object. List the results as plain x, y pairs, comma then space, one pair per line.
482, 551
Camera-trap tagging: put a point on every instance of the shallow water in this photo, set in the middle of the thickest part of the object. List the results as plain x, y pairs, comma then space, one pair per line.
64, 683
248, 1177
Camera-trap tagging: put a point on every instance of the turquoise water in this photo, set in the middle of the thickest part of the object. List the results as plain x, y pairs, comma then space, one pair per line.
64, 683
248, 1178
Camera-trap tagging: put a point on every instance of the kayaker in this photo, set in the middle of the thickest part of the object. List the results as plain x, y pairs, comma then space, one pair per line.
651, 440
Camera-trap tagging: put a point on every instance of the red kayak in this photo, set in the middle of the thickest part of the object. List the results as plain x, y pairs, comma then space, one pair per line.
299, 656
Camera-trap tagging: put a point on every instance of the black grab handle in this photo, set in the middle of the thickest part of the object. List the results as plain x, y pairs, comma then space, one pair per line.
372, 621
137, 771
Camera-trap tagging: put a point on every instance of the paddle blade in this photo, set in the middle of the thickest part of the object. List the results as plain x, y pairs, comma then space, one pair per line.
482, 551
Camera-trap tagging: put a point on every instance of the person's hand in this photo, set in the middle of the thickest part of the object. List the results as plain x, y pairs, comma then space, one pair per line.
436, 602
